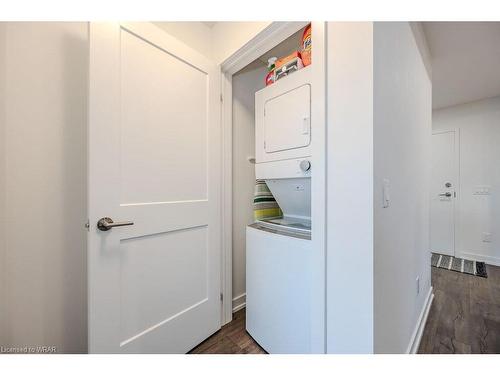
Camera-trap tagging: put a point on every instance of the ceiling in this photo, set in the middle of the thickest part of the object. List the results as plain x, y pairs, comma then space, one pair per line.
465, 59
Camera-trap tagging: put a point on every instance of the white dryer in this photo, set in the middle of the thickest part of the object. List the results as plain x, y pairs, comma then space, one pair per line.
283, 119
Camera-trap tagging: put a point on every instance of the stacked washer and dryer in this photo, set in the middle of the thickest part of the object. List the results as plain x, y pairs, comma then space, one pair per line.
278, 250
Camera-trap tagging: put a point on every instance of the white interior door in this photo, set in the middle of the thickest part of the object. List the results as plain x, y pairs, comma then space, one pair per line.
154, 160
444, 180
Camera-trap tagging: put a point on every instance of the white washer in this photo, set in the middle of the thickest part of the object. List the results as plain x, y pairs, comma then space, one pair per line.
278, 271
278, 268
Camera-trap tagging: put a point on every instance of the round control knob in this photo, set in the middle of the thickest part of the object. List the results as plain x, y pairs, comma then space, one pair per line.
305, 165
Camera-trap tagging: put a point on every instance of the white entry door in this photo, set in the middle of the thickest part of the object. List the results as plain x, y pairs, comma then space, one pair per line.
444, 180
154, 161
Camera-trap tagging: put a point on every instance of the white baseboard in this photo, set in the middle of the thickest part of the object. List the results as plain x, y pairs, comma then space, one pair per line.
419, 328
239, 302
494, 261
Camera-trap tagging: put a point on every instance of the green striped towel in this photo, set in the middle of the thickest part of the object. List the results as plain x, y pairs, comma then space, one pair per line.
264, 204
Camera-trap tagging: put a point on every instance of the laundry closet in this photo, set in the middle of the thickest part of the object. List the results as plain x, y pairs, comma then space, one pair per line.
272, 168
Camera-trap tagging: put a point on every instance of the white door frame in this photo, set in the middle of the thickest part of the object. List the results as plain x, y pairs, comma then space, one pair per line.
456, 213
268, 38
271, 36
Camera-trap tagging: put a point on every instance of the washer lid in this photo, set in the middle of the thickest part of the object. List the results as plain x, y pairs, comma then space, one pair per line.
284, 231
290, 223
293, 196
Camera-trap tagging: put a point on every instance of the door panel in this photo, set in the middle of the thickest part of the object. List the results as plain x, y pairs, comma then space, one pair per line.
444, 179
164, 141
154, 159
152, 290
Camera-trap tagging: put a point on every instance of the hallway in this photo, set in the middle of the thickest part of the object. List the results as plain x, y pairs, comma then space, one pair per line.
465, 314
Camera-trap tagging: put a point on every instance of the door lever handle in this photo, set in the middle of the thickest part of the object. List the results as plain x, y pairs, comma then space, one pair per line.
448, 194
107, 223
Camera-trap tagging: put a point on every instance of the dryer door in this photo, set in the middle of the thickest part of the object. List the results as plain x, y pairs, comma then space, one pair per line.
287, 120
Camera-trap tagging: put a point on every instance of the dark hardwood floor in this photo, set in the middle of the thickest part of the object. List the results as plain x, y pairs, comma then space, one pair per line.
464, 318
230, 339
465, 314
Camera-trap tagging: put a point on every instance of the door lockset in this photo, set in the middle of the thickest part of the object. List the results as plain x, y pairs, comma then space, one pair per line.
107, 223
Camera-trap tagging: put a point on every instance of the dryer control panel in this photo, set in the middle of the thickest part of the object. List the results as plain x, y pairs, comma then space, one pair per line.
290, 168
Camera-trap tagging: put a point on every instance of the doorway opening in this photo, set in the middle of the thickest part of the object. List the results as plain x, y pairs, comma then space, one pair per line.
244, 74
464, 205
245, 83
445, 172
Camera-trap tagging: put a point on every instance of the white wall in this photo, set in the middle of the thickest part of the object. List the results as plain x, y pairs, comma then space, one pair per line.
479, 127
197, 35
245, 84
44, 268
350, 187
421, 41
229, 37
3, 304
402, 131
217, 42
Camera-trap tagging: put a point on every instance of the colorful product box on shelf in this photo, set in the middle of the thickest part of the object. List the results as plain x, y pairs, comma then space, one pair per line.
289, 67
306, 46
286, 59
284, 66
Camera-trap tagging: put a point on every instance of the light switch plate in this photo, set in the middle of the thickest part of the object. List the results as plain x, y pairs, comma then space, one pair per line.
486, 237
386, 197
482, 190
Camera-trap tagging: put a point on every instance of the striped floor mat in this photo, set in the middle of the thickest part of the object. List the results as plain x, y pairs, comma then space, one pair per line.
470, 267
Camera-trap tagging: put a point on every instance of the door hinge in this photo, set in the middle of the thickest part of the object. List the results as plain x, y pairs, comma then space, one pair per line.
221, 99
222, 297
